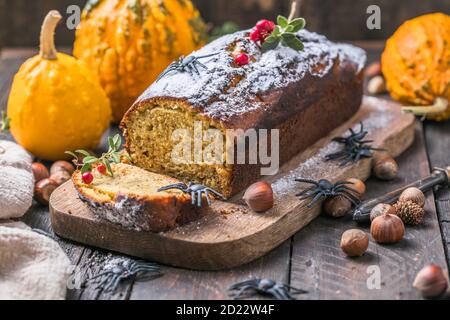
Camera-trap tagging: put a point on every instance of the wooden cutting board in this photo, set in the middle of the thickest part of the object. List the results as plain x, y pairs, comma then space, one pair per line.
230, 234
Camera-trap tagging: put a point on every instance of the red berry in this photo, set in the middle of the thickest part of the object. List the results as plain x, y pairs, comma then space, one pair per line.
242, 59
255, 35
265, 26
87, 178
101, 168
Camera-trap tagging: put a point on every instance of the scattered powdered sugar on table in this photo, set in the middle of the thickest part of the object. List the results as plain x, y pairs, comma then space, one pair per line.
316, 167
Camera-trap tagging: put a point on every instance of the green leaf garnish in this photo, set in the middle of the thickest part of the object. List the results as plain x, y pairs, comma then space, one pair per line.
291, 40
282, 21
112, 156
298, 24
285, 32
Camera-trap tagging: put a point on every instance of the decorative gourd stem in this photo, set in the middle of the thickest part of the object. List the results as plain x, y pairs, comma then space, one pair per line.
293, 11
48, 50
440, 105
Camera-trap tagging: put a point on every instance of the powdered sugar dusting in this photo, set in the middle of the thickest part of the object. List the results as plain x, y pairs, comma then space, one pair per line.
226, 90
316, 167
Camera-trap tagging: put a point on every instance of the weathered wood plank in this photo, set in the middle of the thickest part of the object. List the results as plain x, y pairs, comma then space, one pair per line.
181, 284
438, 145
319, 265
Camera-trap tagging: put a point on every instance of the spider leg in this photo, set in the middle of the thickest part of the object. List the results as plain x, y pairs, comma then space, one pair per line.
214, 192
344, 187
207, 197
99, 275
285, 292
208, 55
305, 191
165, 72
180, 186
115, 284
239, 294
236, 286
342, 183
199, 64
277, 294
309, 194
147, 267
307, 181
295, 290
349, 197
199, 198
193, 198
194, 67
315, 199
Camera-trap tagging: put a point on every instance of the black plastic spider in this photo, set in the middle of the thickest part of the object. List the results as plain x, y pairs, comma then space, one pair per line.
264, 286
324, 188
352, 154
355, 148
196, 191
354, 137
189, 64
110, 279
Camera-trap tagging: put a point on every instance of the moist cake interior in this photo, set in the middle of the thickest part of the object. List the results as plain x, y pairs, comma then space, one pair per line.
151, 143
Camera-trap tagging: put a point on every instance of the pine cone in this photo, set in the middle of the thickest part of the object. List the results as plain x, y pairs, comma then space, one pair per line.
409, 212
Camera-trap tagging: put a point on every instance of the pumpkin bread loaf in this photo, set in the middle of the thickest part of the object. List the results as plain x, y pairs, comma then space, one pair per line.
131, 199
304, 94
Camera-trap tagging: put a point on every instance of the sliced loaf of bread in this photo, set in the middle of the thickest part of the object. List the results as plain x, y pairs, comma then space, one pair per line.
131, 198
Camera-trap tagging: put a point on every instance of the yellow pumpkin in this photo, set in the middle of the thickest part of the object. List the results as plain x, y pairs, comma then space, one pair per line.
416, 65
56, 103
130, 42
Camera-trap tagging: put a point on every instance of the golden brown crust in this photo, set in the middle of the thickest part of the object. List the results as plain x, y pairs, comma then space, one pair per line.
154, 212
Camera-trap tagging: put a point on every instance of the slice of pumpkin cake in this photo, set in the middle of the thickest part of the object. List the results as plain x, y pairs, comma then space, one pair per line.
131, 198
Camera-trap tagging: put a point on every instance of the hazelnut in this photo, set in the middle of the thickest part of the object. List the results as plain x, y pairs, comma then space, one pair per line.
60, 177
376, 85
61, 166
357, 185
373, 69
380, 209
385, 167
387, 228
413, 194
354, 242
43, 190
430, 281
336, 206
259, 196
40, 171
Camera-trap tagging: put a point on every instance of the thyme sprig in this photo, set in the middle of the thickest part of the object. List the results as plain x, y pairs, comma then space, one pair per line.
4, 123
112, 156
285, 32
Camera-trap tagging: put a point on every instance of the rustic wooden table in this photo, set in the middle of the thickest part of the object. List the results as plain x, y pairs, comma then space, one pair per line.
311, 259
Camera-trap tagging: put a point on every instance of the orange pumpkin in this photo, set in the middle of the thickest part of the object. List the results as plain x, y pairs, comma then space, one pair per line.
128, 43
416, 65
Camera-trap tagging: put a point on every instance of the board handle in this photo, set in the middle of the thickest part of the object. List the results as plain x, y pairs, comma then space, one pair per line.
439, 177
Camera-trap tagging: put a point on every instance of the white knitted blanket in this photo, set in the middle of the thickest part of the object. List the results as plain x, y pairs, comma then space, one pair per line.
32, 266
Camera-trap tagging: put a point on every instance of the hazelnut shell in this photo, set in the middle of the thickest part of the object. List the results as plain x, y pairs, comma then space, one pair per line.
387, 228
354, 242
357, 185
385, 167
62, 166
259, 196
40, 171
43, 190
60, 177
431, 281
336, 206
380, 209
413, 194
